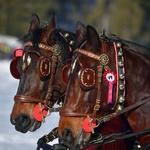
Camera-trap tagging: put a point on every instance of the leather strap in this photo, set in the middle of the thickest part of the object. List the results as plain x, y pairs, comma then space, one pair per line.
127, 109
29, 99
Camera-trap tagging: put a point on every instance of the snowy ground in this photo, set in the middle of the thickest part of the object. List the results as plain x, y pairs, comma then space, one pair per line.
10, 139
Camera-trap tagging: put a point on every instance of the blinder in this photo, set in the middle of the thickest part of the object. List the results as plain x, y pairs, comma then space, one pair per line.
65, 73
44, 65
87, 78
13, 70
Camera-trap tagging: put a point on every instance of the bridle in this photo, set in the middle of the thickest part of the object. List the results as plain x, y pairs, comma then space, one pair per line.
55, 56
103, 67
47, 69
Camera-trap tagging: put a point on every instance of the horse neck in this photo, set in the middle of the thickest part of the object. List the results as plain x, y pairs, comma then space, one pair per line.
137, 71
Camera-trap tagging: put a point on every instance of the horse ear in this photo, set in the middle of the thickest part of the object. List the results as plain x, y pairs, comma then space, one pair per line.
52, 24
80, 32
51, 27
93, 38
34, 23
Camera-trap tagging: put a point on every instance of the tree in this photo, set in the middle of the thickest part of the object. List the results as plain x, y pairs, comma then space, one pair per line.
126, 19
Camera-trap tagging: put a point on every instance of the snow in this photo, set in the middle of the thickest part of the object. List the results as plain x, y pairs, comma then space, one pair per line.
10, 139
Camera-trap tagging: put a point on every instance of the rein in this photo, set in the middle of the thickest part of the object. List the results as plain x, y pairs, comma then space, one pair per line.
109, 138
126, 109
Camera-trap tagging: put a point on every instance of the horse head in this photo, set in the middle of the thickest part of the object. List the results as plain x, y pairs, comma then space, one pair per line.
38, 67
98, 85
82, 89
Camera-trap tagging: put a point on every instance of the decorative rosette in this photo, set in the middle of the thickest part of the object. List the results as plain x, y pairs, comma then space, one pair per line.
111, 79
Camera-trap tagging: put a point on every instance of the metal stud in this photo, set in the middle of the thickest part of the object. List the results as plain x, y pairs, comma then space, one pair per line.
121, 86
121, 99
71, 42
119, 107
120, 53
118, 44
138, 146
60, 103
121, 63
66, 35
121, 76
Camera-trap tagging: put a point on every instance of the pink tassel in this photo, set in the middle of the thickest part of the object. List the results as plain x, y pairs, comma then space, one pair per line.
110, 90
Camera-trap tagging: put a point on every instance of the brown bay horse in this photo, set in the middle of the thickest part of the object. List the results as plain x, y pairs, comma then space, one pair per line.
38, 68
108, 77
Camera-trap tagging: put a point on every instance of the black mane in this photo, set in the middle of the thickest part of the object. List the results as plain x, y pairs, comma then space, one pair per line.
64, 43
136, 47
132, 45
34, 36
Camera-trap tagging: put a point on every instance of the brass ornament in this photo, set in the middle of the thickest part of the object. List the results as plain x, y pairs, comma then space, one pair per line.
121, 76
121, 86
60, 103
56, 50
121, 99
119, 44
120, 63
71, 42
119, 107
120, 53
103, 58
66, 35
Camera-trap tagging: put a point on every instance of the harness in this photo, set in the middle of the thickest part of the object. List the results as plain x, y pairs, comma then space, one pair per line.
110, 77
118, 78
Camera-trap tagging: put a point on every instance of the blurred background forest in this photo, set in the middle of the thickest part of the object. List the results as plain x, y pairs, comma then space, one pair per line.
125, 18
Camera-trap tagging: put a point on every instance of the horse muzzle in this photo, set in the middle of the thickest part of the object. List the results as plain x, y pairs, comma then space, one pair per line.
23, 123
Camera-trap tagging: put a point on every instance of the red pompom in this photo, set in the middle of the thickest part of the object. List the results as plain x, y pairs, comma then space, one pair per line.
110, 76
88, 126
37, 113
18, 52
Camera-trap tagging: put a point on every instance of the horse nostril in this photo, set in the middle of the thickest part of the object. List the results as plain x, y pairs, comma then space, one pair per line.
67, 136
12, 120
23, 121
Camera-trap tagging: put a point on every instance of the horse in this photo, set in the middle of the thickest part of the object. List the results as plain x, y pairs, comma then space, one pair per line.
47, 50
31, 66
109, 77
